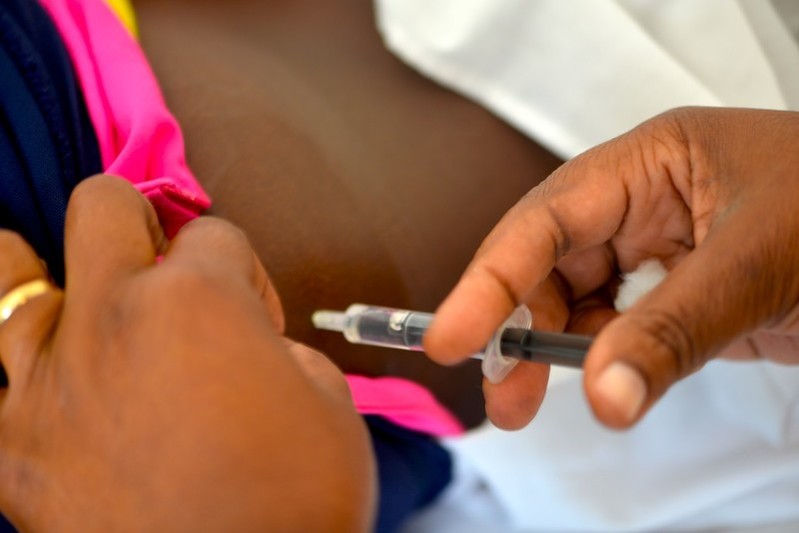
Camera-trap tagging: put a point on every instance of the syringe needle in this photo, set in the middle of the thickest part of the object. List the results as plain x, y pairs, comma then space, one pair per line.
330, 320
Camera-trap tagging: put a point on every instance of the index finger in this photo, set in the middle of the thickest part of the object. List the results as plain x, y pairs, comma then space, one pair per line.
561, 215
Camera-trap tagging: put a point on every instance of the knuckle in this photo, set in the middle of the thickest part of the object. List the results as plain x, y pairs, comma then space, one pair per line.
674, 351
672, 127
219, 229
559, 234
494, 275
681, 117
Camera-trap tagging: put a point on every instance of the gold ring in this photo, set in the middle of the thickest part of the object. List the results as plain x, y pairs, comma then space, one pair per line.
20, 295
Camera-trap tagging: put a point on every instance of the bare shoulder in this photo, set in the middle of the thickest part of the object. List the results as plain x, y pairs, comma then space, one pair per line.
356, 179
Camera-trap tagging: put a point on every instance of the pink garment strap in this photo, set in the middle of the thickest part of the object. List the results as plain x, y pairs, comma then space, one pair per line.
404, 403
139, 138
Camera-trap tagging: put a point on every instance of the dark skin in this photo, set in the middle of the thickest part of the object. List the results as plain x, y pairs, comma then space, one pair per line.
144, 396
161, 396
712, 194
95, 401
356, 179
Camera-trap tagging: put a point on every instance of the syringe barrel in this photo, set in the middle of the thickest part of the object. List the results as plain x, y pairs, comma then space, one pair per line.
383, 326
544, 347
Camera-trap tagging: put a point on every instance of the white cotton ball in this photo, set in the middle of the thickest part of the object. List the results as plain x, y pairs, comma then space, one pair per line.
639, 282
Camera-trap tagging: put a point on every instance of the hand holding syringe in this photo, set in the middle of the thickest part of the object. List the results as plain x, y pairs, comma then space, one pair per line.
403, 329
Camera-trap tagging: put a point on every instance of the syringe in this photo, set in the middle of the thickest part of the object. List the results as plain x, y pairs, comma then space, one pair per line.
403, 329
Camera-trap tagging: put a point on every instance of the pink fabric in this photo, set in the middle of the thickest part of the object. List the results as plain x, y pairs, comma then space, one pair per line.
141, 141
405, 403
139, 138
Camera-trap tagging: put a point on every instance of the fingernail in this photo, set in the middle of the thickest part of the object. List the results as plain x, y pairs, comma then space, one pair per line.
623, 389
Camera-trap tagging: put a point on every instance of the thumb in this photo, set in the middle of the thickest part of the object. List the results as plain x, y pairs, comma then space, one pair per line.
742, 276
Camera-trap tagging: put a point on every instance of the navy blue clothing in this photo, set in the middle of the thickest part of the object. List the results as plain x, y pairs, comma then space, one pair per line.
412, 468
47, 143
